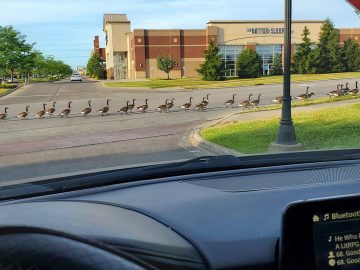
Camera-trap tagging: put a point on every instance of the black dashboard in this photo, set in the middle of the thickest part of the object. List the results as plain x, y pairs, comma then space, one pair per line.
219, 220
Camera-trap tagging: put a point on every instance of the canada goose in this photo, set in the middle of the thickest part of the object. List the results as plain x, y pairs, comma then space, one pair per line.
162, 108
346, 89
170, 104
51, 111
41, 113
105, 109
67, 111
25, 114
278, 100
132, 106
246, 103
201, 106
144, 107
336, 93
256, 102
354, 91
125, 109
186, 106
230, 102
206, 102
3, 115
87, 110
305, 96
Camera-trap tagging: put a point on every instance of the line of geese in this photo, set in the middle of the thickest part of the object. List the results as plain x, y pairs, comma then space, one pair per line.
169, 103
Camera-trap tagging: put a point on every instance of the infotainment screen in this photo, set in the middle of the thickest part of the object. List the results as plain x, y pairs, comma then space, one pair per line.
321, 234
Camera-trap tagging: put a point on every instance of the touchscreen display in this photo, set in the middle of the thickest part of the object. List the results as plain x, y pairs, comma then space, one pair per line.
336, 237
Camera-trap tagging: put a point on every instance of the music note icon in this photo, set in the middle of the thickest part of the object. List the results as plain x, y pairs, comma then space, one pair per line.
326, 217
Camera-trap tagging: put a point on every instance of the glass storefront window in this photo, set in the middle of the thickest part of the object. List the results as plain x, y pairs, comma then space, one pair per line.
267, 54
230, 54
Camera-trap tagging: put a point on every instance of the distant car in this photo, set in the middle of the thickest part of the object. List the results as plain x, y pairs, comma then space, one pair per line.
13, 80
76, 78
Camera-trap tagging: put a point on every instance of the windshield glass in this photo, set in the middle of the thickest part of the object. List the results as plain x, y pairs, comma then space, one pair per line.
90, 85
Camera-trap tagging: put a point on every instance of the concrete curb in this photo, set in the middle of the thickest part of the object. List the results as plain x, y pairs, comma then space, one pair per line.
11, 91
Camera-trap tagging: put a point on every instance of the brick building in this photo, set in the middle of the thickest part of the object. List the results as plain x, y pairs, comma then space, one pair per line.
132, 54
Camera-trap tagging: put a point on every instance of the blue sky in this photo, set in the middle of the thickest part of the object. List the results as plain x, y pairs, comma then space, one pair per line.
66, 28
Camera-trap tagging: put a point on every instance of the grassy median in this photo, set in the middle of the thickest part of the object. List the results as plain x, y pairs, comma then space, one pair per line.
197, 83
326, 129
6, 87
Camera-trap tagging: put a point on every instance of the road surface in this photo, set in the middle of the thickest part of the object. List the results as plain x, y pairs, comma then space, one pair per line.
41, 147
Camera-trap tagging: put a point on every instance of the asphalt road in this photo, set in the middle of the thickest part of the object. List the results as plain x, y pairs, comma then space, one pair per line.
40, 147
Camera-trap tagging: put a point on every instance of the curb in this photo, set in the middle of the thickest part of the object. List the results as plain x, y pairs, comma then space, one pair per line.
11, 91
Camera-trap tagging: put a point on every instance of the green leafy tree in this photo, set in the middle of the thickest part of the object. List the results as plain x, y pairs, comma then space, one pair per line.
95, 68
277, 67
302, 54
351, 55
13, 49
166, 64
249, 64
213, 69
326, 57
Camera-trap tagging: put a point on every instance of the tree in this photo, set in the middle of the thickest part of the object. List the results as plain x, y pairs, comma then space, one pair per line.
249, 64
326, 56
303, 51
95, 68
165, 63
351, 55
277, 67
13, 49
213, 68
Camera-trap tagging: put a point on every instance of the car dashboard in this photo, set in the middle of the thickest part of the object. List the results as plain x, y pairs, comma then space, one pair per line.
218, 220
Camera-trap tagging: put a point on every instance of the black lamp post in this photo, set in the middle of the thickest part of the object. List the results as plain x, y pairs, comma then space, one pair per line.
286, 133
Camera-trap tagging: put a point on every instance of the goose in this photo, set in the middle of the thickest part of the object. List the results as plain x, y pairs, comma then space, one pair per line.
206, 102
201, 106
4, 115
132, 106
51, 111
144, 107
186, 106
346, 89
105, 109
67, 111
41, 113
24, 115
336, 93
278, 100
354, 91
87, 110
163, 108
170, 104
256, 102
124, 109
305, 96
230, 102
246, 103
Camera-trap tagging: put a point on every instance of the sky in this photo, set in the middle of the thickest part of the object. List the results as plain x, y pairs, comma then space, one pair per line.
66, 28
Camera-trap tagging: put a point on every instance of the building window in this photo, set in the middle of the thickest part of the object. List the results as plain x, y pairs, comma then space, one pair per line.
229, 55
267, 54
139, 40
175, 40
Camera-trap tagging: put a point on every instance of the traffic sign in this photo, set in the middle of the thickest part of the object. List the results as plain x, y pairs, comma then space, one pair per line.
355, 4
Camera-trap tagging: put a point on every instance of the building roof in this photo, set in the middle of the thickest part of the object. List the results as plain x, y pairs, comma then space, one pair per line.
115, 18
264, 21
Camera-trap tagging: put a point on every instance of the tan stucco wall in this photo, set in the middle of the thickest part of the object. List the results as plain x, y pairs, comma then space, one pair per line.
236, 33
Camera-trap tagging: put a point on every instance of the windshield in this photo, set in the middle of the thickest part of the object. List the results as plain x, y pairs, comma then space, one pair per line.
97, 85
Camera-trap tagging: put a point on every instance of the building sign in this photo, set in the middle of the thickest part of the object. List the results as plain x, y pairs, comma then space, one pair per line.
266, 31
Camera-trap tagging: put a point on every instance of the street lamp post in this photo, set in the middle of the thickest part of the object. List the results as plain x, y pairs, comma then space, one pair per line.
286, 134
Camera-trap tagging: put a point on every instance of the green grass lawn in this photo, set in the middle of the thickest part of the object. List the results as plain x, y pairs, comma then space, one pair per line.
326, 129
197, 83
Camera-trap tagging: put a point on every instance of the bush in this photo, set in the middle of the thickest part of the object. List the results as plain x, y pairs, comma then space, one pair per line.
249, 64
277, 67
7, 86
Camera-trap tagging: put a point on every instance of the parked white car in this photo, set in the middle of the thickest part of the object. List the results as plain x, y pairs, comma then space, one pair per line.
76, 78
